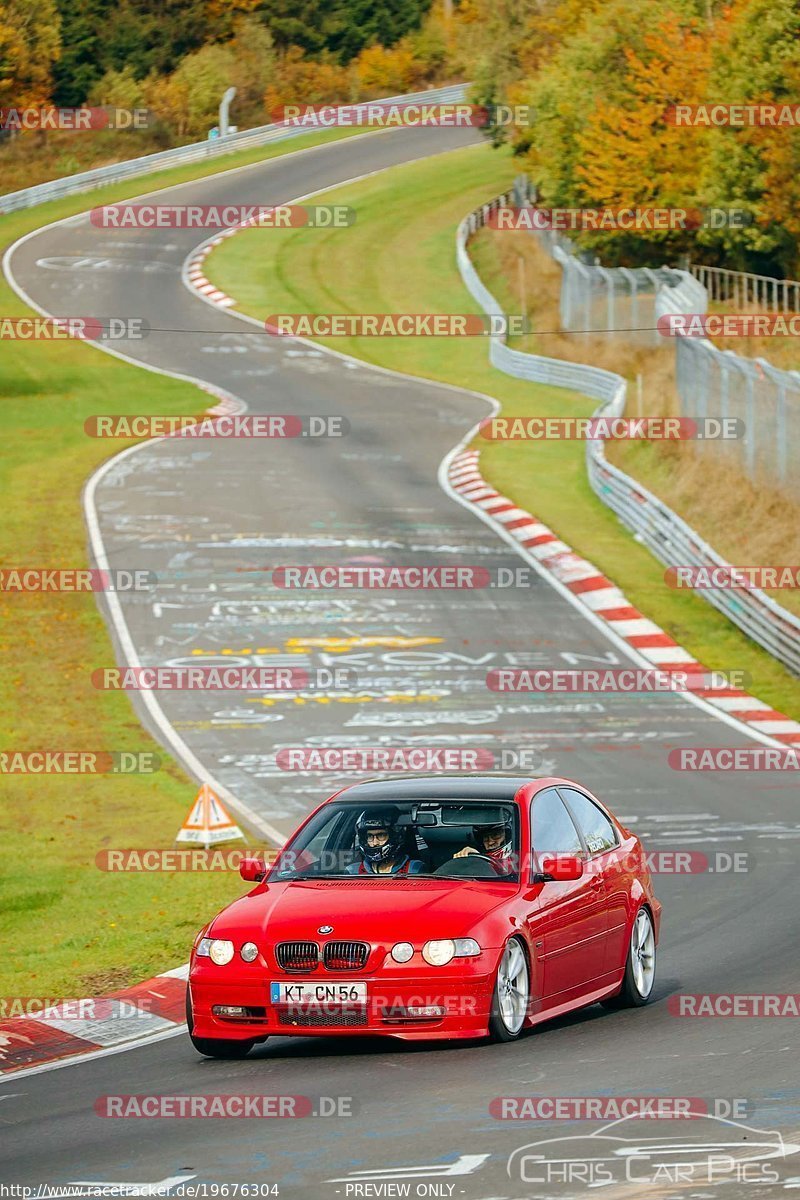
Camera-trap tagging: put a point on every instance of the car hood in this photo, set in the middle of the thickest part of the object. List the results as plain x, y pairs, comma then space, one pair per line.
371, 910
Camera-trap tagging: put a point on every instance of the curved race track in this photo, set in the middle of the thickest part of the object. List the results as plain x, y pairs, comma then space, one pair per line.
196, 513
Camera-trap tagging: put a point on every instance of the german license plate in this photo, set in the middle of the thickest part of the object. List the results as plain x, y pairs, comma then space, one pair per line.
318, 993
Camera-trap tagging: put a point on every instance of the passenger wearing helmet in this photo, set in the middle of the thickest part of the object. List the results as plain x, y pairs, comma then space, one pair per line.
380, 842
494, 842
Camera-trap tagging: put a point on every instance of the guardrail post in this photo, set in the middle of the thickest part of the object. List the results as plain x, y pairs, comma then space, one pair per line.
780, 433
750, 432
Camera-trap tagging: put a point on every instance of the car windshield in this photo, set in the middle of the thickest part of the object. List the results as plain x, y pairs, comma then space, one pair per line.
406, 839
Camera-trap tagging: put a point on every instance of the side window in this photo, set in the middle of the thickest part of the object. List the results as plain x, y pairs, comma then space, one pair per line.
598, 832
553, 831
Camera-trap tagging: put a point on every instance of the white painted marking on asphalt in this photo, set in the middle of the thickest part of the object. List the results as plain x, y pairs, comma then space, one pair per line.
465, 1164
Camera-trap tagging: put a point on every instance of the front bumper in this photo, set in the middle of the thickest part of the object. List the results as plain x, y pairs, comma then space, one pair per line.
462, 1001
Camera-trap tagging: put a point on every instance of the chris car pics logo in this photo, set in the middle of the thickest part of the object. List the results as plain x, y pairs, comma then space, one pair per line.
714, 1151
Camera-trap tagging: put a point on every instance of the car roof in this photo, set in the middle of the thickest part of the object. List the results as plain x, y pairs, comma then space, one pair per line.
437, 787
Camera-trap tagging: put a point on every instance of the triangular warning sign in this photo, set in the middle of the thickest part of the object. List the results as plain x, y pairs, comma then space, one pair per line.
208, 821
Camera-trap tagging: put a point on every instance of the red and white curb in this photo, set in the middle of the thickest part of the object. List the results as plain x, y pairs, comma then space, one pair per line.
80, 1027
194, 268
606, 602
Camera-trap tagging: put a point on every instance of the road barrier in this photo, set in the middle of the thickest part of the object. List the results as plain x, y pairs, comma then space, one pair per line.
665, 534
262, 135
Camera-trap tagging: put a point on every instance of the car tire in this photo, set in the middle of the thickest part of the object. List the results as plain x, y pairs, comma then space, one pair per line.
216, 1047
640, 965
511, 996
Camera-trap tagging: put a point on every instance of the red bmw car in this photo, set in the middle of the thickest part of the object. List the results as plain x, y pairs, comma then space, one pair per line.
445, 907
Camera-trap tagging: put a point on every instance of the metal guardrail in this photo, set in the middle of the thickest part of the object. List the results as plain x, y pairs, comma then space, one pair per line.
748, 290
665, 534
262, 135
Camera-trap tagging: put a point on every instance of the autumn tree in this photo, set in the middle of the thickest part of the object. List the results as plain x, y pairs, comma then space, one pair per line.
755, 61
30, 42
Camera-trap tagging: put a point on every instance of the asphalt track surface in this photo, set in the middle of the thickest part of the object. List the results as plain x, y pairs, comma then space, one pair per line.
206, 518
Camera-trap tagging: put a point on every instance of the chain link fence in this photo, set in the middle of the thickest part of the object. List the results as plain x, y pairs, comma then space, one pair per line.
665, 534
711, 383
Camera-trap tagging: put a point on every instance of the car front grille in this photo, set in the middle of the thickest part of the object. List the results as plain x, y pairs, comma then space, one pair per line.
345, 956
345, 1017
297, 956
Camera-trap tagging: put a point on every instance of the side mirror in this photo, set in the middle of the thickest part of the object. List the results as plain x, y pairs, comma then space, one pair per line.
558, 868
252, 869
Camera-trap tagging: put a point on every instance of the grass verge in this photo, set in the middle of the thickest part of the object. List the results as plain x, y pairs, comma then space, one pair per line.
399, 257
76, 929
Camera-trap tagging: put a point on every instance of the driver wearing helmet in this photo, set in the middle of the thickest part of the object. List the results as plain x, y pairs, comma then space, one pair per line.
494, 842
380, 843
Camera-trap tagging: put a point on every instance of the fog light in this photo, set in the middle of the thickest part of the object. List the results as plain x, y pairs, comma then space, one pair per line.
228, 1010
402, 952
429, 1010
249, 951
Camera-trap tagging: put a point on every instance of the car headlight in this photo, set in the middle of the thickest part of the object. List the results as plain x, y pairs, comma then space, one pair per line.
402, 952
439, 953
218, 950
467, 948
249, 952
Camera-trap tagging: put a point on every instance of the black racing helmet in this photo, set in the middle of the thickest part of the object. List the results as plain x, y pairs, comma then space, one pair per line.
479, 832
379, 818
